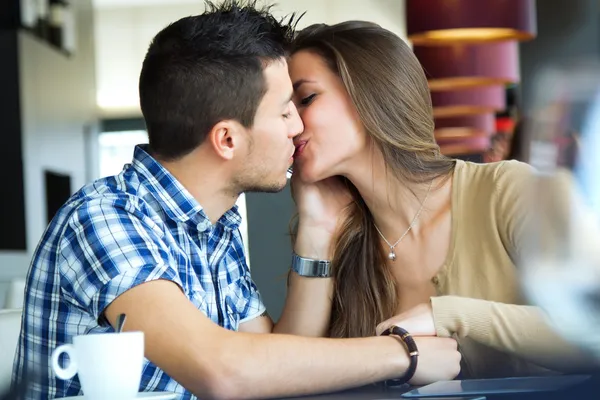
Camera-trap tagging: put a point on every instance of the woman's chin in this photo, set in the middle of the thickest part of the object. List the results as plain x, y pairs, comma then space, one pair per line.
310, 175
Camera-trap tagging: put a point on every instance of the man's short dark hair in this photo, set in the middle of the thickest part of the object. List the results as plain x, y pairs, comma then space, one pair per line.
207, 68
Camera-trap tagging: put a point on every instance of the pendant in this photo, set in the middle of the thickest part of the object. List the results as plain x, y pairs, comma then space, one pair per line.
392, 255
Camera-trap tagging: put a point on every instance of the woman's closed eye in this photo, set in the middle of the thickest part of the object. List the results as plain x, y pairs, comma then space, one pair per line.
307, 100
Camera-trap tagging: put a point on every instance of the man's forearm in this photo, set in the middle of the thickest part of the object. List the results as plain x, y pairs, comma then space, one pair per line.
213, 362
261, 366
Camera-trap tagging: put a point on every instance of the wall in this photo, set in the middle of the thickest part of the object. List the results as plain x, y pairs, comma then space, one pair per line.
124, 33
58, 116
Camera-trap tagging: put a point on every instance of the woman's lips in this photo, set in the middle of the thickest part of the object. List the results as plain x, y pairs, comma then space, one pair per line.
299, 148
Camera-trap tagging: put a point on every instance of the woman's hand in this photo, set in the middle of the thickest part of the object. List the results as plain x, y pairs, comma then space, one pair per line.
320, 206
417, 321
320, 203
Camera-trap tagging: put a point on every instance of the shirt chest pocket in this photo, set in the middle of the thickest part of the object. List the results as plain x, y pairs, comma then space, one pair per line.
231, 301
237, 295
199, 297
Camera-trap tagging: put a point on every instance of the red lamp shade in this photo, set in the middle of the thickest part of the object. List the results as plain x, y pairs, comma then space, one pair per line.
473, 145
463, 127
469, 101
433, 22
463, 66
469, 134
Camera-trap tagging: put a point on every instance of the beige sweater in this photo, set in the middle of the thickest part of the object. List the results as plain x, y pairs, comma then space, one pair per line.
479, 300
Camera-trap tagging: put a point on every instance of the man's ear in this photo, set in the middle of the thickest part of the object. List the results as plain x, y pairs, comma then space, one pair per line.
225, 137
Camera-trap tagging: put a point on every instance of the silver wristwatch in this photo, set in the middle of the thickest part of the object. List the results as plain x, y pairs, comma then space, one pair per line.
311, 268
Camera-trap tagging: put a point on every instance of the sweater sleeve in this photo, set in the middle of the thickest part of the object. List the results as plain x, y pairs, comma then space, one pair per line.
519, 330
524, 331
513, 183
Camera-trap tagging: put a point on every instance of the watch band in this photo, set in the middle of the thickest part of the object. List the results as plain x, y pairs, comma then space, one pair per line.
311, 268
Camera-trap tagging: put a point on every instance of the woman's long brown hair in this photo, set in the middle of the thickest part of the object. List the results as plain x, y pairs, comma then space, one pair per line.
389, 90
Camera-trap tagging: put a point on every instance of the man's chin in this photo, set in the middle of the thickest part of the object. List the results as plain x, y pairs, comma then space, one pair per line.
274, 187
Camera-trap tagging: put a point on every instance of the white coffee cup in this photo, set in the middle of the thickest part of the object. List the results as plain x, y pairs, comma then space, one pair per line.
109, 365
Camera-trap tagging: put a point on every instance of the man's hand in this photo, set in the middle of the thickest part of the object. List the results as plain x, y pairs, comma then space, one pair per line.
418, 321
439, 360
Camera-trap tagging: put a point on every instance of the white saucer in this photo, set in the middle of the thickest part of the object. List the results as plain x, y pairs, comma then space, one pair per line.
141, 395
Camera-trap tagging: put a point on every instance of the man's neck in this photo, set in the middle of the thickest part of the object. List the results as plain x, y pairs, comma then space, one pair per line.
207, 182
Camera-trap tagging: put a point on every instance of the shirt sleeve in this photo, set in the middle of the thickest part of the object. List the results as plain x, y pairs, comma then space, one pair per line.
255, 306
108, 247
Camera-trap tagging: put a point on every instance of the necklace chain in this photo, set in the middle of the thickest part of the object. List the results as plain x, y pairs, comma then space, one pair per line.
392, 254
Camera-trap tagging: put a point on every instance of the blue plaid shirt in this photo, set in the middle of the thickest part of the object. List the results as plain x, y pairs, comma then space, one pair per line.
112, 235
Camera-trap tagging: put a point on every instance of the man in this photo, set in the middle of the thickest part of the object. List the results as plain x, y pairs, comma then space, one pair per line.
160, 241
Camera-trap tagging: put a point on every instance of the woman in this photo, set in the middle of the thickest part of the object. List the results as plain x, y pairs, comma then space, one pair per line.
410, 233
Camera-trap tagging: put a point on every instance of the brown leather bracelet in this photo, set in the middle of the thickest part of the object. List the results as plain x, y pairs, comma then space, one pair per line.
413, 353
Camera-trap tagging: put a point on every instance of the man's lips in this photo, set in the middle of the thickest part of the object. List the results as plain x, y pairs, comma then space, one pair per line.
299, 147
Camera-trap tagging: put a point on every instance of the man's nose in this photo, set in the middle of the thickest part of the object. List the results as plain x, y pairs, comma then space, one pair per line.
296, 125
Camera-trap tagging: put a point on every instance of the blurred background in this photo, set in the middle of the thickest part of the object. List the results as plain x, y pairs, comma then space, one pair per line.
69, 109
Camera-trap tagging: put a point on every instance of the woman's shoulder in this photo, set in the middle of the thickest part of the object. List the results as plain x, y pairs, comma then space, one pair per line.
497, 175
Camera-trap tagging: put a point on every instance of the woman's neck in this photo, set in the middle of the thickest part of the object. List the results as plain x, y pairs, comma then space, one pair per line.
394, 203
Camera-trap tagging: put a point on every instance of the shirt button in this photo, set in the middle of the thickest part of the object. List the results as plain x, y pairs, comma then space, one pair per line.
204, 226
